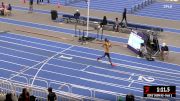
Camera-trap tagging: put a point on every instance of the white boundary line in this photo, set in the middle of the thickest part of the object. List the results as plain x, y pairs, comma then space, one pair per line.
131, 83
123, 66
70, 76
113, 58
23, 51
124, 60
28, 46
130, 78
95, 81
46, 61
85, 68
69, 83
31, 42
118, 59
87, 48
78, 70
30, 60
93, 73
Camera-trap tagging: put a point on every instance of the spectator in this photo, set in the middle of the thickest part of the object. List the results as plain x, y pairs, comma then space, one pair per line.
116, 25
51, 96
2, 97
9, 97
143, 51
77, 15
2, 8
2, 5
31, 6
38, 2
104, 21
124, 16
130, 97
7, 11
24, 95
9, 7
32, 98
164, 51
41, 1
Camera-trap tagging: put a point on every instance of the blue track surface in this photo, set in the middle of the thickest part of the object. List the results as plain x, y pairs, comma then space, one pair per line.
68, 31
19, 52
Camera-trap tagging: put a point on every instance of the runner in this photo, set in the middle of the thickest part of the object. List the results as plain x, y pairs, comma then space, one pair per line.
106, 46
31, 6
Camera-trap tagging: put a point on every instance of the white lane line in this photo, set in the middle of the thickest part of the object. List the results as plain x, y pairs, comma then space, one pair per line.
100, 90
131, 76
31, 42
85, 68
101, 68
111, 84
131, 83
107, 76
23, 51
93, 54
88, 53
128, 61
66, 57
129, 66
93, 49
19, 73
131, 73
28, 46
18, 57
32, 83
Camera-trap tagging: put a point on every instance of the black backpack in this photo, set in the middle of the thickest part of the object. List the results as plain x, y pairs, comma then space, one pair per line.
130, 97
32, 98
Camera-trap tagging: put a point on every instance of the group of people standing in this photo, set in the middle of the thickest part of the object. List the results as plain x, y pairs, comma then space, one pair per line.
31, 2
163, 52
5, 9
25, 96
117, 23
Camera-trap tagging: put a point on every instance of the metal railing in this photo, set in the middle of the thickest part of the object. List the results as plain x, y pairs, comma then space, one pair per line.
41, 92
141, 5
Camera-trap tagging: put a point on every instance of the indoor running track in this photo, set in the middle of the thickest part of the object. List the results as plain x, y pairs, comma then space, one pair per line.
77, 67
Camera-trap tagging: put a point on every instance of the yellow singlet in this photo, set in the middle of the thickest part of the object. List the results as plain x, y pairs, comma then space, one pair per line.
106, 46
